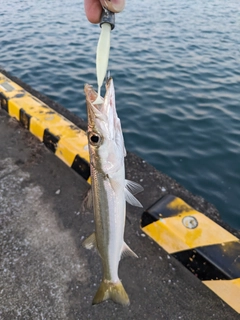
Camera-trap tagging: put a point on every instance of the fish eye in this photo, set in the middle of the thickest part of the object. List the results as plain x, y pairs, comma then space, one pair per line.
94, 139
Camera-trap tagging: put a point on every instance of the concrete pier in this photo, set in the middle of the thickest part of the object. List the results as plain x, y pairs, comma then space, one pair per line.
45, 273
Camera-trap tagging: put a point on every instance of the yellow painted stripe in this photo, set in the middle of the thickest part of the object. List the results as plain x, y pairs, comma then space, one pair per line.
175, 233
13, 110
171, 234
72, 140
227, 290
9, 88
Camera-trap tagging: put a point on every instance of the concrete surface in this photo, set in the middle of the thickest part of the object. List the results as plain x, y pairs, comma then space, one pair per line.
45, 273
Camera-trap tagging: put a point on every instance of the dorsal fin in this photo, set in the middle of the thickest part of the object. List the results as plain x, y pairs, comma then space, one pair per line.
90, 242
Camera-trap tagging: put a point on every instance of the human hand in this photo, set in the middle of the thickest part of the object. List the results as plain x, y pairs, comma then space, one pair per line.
93, 8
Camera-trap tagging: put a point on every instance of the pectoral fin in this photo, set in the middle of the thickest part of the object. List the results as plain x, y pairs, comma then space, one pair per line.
130, 189
133, 187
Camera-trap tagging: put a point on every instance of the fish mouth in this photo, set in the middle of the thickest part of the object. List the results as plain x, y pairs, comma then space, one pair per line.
91, 94
99, 113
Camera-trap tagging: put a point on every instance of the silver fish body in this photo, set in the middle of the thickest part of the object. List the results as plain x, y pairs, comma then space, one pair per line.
110, 191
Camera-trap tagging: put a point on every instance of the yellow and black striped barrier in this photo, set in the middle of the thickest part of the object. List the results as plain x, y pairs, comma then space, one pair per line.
204, 247
60, 135
209, 251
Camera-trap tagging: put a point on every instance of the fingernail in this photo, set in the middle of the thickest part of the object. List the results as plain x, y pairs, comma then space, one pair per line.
118, 5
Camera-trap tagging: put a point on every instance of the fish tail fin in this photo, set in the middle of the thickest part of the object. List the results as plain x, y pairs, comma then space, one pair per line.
113, 291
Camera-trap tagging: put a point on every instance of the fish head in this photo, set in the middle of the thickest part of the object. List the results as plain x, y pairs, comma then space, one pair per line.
105, 139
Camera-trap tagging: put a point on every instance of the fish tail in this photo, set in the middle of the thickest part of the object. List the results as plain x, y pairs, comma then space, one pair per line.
113, 291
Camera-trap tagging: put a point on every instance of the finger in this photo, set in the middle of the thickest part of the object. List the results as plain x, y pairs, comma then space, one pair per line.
113, 5
93, 9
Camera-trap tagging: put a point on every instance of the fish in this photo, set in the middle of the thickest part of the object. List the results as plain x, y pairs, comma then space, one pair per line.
109, 191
